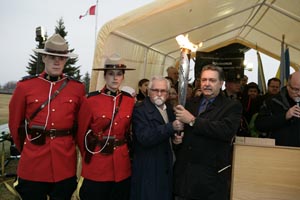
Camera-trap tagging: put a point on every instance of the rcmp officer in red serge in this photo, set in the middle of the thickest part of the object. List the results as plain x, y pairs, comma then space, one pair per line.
47, 104
103, 123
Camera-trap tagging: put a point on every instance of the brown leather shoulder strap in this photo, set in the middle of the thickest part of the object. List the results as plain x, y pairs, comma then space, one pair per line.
47, 101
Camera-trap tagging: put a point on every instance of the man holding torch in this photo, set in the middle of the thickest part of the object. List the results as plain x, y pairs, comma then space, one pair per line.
202, 160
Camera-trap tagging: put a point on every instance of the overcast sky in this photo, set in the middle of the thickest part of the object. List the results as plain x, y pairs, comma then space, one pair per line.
19, 19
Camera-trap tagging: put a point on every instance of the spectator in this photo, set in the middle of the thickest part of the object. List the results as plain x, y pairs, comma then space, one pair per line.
273, 88
174, 75
280, 115
189, 92
143, 92
244, 81
173, 97
233, 87
251, 100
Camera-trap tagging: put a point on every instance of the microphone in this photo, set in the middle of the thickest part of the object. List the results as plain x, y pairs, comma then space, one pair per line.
297, 100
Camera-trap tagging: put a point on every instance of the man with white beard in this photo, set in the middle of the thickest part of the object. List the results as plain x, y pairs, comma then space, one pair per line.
153, 125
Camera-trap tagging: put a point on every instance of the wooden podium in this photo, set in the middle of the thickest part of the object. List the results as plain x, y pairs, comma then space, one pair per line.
265, 172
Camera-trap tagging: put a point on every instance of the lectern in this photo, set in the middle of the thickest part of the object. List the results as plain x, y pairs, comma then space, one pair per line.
264, 172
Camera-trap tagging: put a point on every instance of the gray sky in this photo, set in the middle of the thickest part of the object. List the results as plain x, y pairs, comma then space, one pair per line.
19, 19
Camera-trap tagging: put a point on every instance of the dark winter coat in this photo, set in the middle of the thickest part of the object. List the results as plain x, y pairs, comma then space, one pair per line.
271, 119
206, 150
153, 158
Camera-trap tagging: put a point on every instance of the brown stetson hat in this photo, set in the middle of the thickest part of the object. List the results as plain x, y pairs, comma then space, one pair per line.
114, 62
56, 46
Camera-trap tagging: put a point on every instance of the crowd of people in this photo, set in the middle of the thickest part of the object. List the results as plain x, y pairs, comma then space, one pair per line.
144, 145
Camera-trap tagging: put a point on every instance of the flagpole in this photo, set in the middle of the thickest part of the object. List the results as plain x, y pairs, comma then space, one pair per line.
96, 22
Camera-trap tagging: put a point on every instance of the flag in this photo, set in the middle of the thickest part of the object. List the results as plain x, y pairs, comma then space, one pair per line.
261, 76
287, 63
284, 67
90, 11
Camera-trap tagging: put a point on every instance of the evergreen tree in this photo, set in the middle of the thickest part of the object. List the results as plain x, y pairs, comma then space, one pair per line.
69, 69
86, 81
36, 59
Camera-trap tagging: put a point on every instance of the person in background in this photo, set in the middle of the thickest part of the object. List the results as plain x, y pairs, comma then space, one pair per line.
47, 166
244, 82
280, 115
154, 126
173, 97
189, 92
174, 75
143, 92
202, 163
233, 87
103, 128
273, 88
170, 80
251, 101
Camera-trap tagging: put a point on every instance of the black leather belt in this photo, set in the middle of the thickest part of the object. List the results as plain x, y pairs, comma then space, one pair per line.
119, 142
51, 133
115, 142
57, 133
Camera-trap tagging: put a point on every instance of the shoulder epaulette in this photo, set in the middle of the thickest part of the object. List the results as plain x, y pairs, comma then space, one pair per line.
94, 93
73, 79
126, 94
24, 78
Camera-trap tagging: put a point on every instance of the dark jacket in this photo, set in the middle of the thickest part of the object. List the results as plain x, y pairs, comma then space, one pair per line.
206, 150
153, 158
271, 118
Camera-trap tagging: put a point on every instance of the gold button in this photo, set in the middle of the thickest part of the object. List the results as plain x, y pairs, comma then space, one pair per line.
70, 100
103, 116
116, 123
52, 124
36, 100
53, 110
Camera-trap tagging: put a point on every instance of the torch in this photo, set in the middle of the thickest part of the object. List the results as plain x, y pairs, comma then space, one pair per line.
186, 48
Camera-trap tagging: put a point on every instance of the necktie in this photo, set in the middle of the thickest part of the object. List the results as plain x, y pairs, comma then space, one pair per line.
203, 106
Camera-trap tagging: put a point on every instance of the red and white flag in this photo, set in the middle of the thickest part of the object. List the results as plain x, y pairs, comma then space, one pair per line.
90, 11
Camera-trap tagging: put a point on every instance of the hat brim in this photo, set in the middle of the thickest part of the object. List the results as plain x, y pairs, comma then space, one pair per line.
108, 68
42, 51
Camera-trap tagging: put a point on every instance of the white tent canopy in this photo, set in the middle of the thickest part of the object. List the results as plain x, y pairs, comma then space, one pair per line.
145, 37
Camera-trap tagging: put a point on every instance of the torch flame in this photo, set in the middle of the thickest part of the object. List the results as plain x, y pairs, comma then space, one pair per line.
183, 42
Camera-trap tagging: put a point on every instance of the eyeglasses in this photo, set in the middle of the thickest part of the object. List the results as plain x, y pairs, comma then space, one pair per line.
295, 90
159, 91
61, 58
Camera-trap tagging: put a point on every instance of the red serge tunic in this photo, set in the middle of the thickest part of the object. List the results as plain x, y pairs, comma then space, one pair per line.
96, 114
56, 159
